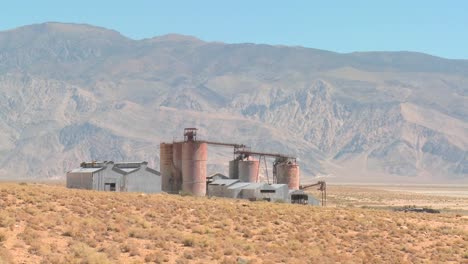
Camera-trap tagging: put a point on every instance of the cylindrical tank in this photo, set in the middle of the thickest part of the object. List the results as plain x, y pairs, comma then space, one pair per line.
165, 162
234, 169
194, 156
288, 173
177, 166
248, 170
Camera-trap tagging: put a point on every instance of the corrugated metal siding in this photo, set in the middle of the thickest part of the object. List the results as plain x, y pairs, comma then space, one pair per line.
107, 175
80, 180
217, 190
143, 181
220, 188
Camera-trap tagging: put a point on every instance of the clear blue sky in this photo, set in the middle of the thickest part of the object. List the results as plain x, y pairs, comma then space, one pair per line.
435, 27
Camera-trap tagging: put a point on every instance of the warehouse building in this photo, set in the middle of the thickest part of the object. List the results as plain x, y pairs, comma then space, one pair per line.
219, 188
139, 177
115, 177
234, 188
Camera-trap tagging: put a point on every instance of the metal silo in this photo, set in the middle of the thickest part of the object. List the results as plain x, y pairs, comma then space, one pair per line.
194, 156
234, 169
177, 166
248, 170
288, 173
165, 160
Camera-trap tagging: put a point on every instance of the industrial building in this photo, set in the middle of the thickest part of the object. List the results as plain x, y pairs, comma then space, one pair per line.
115, 177
234, 188
183, 170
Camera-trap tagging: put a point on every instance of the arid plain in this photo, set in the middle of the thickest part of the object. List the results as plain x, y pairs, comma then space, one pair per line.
44, 223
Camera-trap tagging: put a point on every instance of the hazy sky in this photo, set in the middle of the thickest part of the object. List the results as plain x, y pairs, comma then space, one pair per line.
435, 27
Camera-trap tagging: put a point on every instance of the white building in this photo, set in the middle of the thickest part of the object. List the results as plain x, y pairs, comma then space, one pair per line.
138, 177
115, 177
234, 188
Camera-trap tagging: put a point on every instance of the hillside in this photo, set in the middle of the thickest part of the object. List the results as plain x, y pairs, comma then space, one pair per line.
72, 92
52, 224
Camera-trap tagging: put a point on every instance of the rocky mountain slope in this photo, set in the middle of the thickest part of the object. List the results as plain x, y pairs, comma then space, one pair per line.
70, 93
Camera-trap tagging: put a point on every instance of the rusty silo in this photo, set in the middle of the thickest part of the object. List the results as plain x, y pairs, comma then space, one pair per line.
177, 166
194, 156
165, 160
234, 169
248, 170
288, 173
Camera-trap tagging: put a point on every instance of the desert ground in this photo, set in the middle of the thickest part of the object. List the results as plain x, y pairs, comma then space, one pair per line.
44, 223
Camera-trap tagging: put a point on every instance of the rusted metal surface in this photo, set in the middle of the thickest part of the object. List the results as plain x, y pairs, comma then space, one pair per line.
288, 173
234, 169
194, 156
165, 151
177, 166
248, 170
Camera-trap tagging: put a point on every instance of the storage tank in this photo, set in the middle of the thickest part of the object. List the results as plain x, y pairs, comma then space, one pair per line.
288, 173
165, 163
194, 156
234, 169
248, 170
177, 166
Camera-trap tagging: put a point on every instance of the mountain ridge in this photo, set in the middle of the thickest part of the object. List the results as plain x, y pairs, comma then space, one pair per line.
177, 36
355, 116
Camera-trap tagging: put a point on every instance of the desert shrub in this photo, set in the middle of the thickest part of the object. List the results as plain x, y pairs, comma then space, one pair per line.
37, 247
188, 255
156, 257
6, 220
53, 258
131, 248
29, 236
139, 233
188, 242
3, 237
88, 255
112, 251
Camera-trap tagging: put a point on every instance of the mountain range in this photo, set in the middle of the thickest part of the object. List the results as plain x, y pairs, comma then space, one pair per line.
73, 92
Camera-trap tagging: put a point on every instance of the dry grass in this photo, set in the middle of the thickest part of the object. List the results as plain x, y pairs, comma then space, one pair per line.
452, 199
50, 224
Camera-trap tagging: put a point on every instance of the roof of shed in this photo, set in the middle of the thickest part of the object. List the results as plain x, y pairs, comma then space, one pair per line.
217, 174
238, 185
86, 170
128, 170
225, 182
153, 171
255, 185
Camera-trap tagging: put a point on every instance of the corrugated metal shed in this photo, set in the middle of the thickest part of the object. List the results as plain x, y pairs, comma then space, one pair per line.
85, 170
128, 170
219, 188
141, 179
257, 191
234, 190
281, 192
110, 176
227, 182
254, 185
